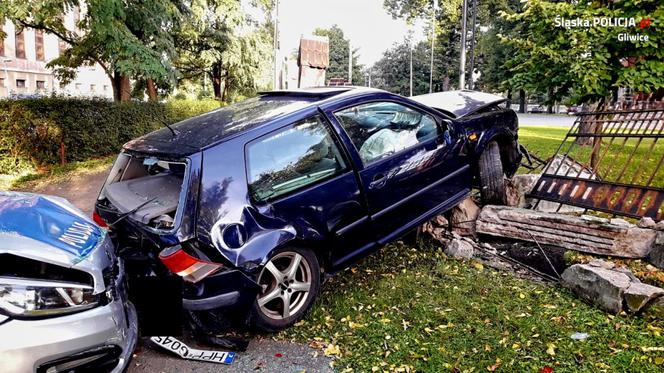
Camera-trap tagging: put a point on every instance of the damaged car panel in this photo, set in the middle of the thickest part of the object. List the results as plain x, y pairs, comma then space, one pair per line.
58, 269
275, 200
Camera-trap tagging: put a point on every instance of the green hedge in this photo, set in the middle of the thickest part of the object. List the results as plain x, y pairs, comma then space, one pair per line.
32, 130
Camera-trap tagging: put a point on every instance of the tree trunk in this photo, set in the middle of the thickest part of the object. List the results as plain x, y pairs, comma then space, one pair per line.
121, 87
116, 83
446, 83
509, 98
589, 124
224, 95
125, 89
549, 105
152, 89
216, 81
522, 101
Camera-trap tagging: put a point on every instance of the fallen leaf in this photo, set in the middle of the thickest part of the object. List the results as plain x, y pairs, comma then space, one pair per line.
332, 350
551, 349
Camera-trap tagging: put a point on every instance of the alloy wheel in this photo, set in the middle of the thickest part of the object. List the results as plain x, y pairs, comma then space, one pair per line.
286, 281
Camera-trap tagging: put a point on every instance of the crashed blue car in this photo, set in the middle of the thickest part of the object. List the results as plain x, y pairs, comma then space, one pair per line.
63, 303
252, 205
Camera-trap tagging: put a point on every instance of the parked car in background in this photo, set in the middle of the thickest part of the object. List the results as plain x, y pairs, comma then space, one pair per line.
573, 109
537, 109
253, 204
63, 305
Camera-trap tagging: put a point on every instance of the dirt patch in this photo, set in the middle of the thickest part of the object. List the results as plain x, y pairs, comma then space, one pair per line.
80, 187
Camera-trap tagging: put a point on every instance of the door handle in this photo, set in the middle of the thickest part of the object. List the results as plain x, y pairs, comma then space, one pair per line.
378, 182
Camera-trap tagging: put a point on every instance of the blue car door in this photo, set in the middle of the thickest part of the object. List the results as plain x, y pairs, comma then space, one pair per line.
299, 174
412, 166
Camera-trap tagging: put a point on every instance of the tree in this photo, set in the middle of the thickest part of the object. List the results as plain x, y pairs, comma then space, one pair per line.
590, 61
339, 56
127, 38
392, 71
219, 41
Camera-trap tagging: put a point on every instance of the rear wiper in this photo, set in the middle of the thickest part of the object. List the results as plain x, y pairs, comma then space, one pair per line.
124, 215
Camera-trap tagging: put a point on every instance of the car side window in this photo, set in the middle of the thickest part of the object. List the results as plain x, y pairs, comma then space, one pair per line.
379, 129
292, 158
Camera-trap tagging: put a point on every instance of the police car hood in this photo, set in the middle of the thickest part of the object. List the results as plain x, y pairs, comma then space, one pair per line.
49, 229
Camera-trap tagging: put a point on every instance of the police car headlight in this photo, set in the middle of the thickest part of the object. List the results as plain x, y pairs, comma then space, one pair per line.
38, 298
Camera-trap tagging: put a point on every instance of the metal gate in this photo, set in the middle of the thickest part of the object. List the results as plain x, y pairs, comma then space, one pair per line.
618, 159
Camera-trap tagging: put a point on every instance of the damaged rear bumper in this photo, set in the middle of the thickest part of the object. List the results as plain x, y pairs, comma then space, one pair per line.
230, 289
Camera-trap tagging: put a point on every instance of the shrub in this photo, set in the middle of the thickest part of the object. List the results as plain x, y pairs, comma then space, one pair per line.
32, 131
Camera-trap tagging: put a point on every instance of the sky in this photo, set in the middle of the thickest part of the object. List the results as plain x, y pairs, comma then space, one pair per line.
365, 22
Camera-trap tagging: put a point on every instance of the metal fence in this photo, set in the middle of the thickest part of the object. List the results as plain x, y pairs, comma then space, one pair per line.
610, 161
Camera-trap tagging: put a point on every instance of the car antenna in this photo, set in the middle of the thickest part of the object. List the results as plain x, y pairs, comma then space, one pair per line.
174, 132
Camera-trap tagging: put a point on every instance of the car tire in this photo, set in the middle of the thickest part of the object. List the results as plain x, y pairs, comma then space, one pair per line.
492, 176
285, 286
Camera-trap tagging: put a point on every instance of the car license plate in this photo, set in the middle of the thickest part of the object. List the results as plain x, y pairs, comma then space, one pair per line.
177, 347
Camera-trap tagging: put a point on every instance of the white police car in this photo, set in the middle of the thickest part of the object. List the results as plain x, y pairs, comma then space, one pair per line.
63, 304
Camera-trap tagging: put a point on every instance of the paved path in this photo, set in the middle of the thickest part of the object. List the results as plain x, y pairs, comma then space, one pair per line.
262, 355
553, 120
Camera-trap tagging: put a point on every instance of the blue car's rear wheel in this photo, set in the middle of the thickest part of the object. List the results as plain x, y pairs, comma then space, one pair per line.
290, 281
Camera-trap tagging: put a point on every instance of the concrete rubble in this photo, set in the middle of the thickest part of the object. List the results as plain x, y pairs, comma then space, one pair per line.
609, 288
614, 237
463, 217
612, 288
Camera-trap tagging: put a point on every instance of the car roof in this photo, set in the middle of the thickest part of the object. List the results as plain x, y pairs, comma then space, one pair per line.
194, 134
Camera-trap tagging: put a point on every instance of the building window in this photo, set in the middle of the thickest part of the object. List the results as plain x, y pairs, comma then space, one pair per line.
39, 44
93, 87
20, 44
20, 83
105, 88
41, 84
78, 86
2, 82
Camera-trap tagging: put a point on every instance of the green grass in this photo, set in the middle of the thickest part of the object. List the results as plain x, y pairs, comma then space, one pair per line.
406, 309
55, 173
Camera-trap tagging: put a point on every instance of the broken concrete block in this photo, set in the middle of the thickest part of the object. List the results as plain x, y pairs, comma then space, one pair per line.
638, 295
597, 285
441, 221
656, 256
586, 234
646, 223
517, 187
627, 272
459, 249
660, 225
463, 216
656, 308
602, 264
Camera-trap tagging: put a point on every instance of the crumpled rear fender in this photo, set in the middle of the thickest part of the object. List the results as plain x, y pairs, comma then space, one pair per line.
264, 234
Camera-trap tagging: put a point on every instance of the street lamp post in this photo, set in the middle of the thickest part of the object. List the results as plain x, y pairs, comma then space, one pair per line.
433, 38
410, 44
276, 44
462, 59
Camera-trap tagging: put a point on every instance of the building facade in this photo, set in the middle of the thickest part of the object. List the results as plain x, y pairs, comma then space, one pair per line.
24, 55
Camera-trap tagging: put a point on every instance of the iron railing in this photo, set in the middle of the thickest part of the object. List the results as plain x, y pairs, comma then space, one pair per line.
609, 161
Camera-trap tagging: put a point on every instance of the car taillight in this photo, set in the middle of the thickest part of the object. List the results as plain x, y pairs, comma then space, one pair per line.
186, 266
98, 219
